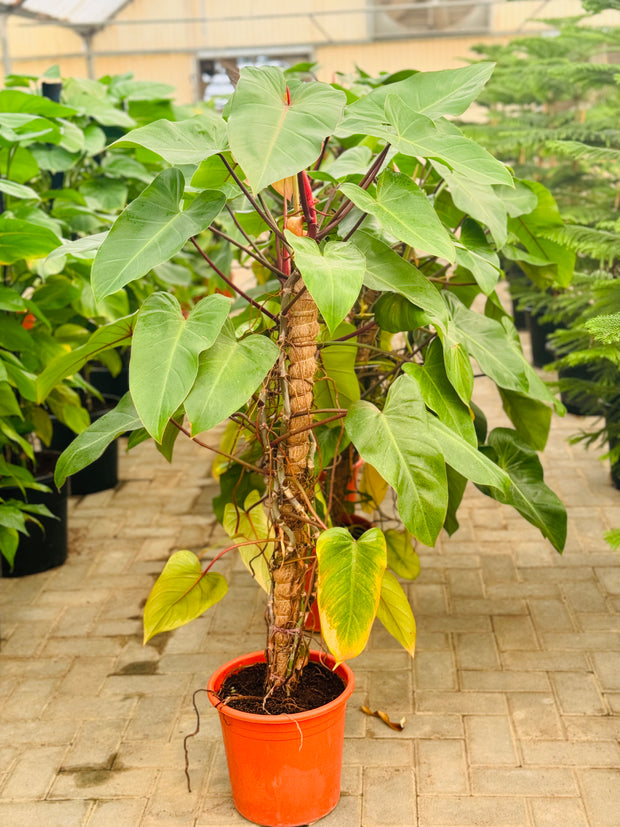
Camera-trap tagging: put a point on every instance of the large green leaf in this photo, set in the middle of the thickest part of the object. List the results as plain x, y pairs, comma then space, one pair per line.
333, 275
349, 588
151, 230
18, 190
530, 229
474, 254
228, 374
395, 612
91, 443
181, 142
338, 385
466, 459
272, 139
165, 351
480, 201
417, 136
531, 418
106, 337
181, 593
404, 211
457, 363
387, 271
529, 494
402, 558
489, 343
24, 240
439, 395
398, 443
251, 526
13, 100
447, 92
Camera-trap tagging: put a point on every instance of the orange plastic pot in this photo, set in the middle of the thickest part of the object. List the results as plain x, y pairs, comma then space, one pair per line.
284, 769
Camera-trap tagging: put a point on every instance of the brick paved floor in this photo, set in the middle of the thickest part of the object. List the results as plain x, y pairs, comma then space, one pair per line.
512, 701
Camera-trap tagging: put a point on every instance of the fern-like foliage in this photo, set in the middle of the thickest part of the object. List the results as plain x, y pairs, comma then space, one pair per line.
578, 151
605, 328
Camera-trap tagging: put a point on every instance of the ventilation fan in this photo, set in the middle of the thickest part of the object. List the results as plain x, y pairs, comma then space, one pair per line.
401, 19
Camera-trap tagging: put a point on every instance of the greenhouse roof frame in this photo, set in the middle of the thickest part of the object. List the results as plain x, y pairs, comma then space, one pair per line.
81, 15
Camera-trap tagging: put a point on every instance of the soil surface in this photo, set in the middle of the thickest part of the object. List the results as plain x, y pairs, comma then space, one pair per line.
245, 690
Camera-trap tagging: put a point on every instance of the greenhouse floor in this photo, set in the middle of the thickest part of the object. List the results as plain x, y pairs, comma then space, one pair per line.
512, 701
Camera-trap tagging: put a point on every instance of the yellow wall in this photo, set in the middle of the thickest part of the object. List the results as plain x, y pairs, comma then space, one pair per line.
162, 41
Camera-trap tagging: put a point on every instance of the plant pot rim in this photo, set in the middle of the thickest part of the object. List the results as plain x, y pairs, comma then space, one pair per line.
234, 665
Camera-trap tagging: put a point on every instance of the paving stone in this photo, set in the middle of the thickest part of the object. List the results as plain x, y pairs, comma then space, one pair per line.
389, 797
489, 740
534, 715
514, 633
522, 781
601, 794
435, 670
551, 812
476, 651
487, 680
92, 782
607, 667
117, 812
571, 754
577, 693
48, 813
33, 773
471, 811
441, 767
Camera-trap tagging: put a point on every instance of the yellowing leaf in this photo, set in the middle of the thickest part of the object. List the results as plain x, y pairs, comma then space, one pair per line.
252, 524
373, 488
395, 612
401, 556
348, 588
181, 593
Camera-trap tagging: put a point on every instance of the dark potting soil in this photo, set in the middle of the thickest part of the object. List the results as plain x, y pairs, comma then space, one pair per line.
245, 690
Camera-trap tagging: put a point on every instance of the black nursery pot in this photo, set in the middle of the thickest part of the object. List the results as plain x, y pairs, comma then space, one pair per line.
542, 353
41, 549
103, 472
107, 385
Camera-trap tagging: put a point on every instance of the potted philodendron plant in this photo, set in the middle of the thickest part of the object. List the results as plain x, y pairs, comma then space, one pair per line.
371, 225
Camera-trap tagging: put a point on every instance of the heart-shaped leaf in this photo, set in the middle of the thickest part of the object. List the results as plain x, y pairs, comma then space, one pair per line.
348, 588
398, 442
228, 374
333, 275
165, 351
151, 230
272, 139
181, 593
251, 524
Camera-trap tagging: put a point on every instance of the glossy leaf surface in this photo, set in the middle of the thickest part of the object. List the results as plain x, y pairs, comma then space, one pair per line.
91, 443
395, 613
272, 139
398, 442
165, 351
181, 593
250, 524
228, 374
529, 494
180, 142
349, 588
151, 230
333, 275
